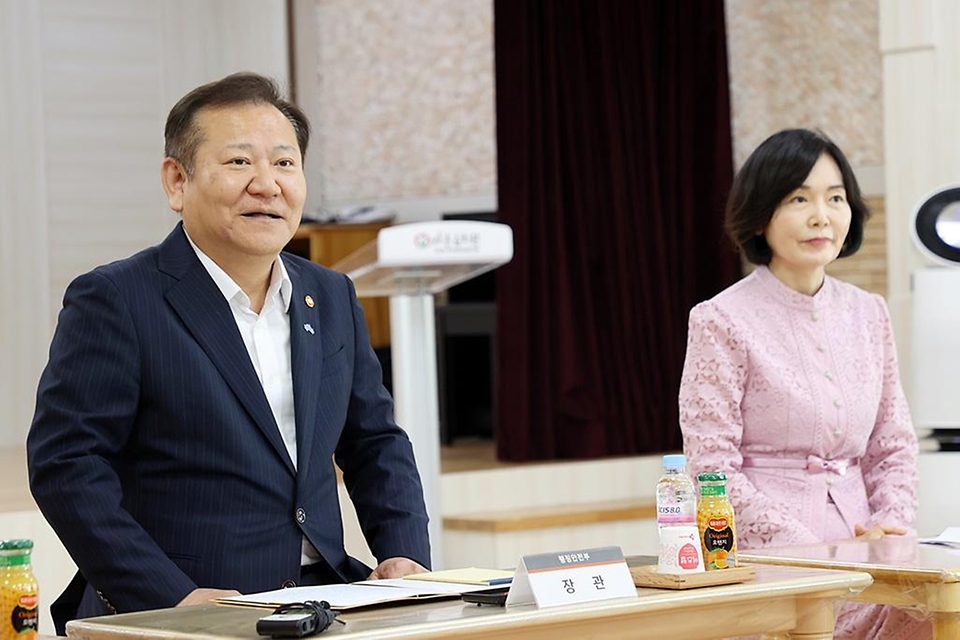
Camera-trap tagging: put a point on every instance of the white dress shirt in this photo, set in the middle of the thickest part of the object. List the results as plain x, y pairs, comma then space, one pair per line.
267, 338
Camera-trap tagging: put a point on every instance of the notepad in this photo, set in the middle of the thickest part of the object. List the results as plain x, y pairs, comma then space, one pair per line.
469, 575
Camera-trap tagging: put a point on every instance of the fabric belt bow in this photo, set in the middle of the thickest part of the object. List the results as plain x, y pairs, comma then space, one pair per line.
816, 464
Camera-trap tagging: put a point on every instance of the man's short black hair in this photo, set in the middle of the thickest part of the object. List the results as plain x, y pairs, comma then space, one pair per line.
774, 170
181, 134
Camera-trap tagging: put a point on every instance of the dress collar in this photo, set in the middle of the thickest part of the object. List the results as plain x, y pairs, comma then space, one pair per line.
791, 297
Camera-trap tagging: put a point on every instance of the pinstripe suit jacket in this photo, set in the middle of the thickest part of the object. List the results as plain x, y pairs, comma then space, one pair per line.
155, 457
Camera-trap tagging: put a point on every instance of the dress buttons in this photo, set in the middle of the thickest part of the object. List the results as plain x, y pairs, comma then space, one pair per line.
829, 481
288, 584
821, 348
814, 316
836, 403
301, 516
828, 375
838, 432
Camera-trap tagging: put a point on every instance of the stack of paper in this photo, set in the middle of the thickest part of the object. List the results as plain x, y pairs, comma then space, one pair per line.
950, 537
339, 596
470, 575
438, 584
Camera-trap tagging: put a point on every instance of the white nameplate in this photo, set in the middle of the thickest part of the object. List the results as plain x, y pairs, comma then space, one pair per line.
444, 242
570, 577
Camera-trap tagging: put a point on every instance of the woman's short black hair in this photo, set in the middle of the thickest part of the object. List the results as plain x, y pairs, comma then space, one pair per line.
774, 170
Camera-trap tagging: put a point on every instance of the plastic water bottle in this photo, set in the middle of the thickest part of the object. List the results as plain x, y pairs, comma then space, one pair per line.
676, 496
680, 550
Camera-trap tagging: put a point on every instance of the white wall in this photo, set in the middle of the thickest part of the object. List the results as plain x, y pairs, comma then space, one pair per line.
921, 99
24, 268
85, 86
937, 495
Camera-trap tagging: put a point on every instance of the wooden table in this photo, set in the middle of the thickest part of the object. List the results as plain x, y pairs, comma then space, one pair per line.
906, 574
792, 602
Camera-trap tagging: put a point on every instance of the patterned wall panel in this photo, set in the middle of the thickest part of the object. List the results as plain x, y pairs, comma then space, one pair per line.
406, 99
813, 63
808, 63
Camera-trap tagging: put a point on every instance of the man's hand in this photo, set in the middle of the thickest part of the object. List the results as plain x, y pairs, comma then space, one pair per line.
877, 531
203, 596
395, 568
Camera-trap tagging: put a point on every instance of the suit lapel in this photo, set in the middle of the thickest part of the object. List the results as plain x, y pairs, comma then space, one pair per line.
306, 360
207, 315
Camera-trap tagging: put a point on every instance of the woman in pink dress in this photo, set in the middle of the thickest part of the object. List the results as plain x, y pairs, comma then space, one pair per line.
790, 383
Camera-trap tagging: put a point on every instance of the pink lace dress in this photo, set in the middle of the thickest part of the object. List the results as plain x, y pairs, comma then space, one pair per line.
798, 399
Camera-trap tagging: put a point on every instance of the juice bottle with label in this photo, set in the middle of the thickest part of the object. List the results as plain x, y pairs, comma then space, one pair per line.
715, 520
19, 616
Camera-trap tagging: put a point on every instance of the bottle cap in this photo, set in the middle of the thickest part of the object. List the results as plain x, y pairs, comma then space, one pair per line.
675, 461
11, 545
712, 476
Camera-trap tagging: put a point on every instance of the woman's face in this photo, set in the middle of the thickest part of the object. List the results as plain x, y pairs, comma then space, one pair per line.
808, 228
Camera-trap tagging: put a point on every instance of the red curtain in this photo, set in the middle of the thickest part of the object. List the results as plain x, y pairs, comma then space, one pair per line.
614, 160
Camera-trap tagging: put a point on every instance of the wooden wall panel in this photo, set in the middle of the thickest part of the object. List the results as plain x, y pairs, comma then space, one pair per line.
868, 267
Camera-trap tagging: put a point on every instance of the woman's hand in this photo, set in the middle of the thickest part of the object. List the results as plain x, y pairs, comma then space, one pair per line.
877, 531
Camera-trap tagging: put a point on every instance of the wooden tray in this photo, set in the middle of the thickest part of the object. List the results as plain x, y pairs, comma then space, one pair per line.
648, 576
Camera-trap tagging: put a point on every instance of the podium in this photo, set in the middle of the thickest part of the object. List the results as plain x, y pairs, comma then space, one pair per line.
411, 263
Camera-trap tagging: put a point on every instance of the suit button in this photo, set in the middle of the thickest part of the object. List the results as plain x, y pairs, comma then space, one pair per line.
288, 584
301, 516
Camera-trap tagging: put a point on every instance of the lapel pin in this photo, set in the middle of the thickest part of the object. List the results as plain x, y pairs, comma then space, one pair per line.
309, 329
309, 301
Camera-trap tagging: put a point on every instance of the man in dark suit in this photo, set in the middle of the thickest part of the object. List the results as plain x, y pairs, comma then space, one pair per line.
196, 392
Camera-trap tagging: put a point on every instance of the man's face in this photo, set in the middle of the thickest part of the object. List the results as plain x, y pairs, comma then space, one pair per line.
245, 197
